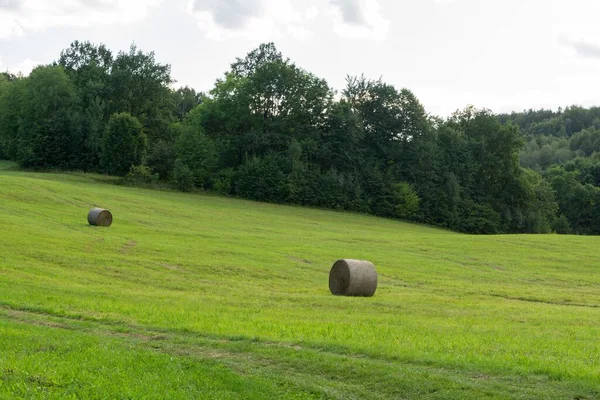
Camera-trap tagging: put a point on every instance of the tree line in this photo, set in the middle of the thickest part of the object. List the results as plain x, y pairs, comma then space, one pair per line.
564, 147
272, 131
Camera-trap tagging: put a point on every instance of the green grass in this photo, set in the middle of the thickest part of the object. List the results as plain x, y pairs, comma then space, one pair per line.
196, 296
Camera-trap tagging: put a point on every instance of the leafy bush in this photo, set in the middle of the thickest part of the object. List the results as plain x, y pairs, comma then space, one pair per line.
407, 200
479, 218
262, 179
183, 176
123, 144
162, 159
197, 151
561, 225
223, 182
141, 175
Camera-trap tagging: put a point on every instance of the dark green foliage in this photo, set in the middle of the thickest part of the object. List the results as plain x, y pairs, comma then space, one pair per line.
542, 206
407, 200
183, 176
223, 181
564, 146
271, 131
141, 175
265, 54
468, 177
578, 202
123, 144
140, 86
478, 218
161, 158
262, 179
339, 191
185, 99
197, 151
561, 225
11, 100
85, 55
44, 122
88, 67
7, 76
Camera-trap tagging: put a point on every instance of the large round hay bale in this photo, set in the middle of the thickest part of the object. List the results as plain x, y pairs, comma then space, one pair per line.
99, 217
353, 278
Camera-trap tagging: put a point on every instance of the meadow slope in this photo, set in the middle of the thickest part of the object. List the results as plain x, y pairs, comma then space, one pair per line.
196, 296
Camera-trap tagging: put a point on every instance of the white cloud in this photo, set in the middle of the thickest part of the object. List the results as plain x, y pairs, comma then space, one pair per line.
576, 19
312, 12
582, 48
359, 19
24, 16
24, 67
266, 20
299, 32
274, 19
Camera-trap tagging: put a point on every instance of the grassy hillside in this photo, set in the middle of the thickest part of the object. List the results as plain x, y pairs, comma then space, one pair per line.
190, 296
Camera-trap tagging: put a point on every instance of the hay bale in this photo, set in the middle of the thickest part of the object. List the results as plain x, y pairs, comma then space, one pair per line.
99, 217
353, 278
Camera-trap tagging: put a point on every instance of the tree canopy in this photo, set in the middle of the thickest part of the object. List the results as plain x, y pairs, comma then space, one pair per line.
271, 131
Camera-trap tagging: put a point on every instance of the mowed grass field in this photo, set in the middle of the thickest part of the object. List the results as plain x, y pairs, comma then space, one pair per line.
193, 296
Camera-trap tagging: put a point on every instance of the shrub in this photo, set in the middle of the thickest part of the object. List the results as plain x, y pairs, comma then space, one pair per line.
223, 182
141, 175
162, 159
197, 151
478, 218
406, 199
262, 179
183, 176
123, 144
561, 225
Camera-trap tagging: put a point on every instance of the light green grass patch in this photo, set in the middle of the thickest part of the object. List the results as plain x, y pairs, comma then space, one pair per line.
230, 299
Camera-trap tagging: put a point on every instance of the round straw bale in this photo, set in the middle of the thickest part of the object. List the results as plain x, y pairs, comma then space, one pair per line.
99, 217
353, 278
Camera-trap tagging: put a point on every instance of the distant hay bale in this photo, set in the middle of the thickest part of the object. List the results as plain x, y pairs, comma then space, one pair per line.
353, 278
99, 217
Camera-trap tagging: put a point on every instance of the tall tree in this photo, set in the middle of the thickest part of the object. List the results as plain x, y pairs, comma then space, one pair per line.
89, 68
123, 144
196, 150
496, 174
264, 103
388, 117
185, 99
140, 87
48, 133
11, 98
266, 53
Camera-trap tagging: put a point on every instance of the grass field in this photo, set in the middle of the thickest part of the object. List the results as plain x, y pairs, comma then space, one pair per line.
195, 296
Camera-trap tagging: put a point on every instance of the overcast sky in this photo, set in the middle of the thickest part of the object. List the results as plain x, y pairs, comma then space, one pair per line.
499, 54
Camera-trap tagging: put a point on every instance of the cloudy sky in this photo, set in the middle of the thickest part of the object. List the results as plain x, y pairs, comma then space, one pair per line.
500, 54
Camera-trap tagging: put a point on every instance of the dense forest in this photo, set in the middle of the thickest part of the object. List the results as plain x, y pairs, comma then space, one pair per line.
271, 131
564, 147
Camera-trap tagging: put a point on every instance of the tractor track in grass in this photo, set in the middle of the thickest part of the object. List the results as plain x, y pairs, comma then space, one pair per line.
547, 302
295, 362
